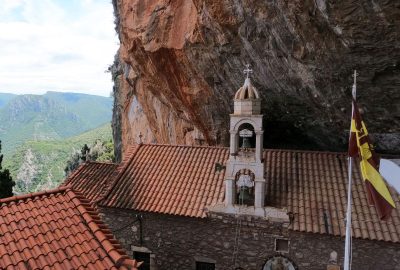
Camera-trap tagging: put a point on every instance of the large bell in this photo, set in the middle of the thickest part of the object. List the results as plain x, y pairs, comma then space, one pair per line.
246, 143
245, 196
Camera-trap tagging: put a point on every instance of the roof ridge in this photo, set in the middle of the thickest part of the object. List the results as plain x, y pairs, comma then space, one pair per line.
35, 194
101, 162
128, 152
185, 145
226, 147
90, 218
302, 151
119, 171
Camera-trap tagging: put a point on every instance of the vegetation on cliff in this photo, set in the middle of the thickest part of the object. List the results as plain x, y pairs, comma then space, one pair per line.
41, 132
6, 182
39, 165
99, 151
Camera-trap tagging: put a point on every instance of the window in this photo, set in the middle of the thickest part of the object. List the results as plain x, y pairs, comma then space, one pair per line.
143, 257
281, 245
205, 266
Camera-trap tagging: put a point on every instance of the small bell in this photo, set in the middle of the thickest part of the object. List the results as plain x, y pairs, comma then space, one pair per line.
246, 143
245, 196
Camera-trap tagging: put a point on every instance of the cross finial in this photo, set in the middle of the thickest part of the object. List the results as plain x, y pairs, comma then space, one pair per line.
247, 71
140, 138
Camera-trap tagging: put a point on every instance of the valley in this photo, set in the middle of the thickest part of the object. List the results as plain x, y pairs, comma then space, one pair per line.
39, 133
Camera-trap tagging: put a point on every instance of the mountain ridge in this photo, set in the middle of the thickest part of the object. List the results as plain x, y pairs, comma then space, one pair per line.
39, 133
52, 116
5, 98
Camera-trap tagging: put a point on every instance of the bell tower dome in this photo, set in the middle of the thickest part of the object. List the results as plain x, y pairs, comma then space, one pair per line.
244, 179
247, 100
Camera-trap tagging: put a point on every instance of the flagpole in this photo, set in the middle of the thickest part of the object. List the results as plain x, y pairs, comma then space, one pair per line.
347, 245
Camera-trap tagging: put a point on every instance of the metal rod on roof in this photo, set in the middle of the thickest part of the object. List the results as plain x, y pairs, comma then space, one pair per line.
347, 244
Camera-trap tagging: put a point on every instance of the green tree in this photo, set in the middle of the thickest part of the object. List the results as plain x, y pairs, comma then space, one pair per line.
102, 151
85, 152
77, 159
99, 151
6, 182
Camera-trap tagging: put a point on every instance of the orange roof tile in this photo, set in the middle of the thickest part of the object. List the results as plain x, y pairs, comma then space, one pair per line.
56, 229
169, 179
181, 180
313, 187
91, 178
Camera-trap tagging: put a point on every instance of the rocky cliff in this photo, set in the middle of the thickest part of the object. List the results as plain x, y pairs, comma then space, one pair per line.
181, 61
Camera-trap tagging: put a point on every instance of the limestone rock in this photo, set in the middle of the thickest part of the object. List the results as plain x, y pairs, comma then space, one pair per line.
180, 63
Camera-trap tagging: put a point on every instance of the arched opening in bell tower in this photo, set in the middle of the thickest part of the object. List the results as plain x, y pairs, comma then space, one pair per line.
247, 138
245, 187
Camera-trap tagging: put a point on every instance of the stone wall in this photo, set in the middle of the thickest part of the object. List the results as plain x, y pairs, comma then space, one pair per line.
312, 251
178, 242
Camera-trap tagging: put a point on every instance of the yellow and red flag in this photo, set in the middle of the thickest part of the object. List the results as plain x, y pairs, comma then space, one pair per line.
360, 146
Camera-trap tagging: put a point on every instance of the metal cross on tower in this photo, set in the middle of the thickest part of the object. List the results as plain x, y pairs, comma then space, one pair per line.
248, 70
140, 137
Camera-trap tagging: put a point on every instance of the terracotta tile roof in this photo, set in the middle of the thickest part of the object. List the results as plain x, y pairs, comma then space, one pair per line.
91, 178
181, 180
56, 230
177, 180
313, 187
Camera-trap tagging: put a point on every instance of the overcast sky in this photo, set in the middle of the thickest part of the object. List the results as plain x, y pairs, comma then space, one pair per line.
56, 45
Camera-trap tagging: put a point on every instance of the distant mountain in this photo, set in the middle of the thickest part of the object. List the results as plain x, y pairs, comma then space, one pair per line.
52, 116
5, 98
39, 165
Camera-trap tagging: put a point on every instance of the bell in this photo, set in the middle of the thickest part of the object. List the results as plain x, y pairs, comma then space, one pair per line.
244, 196
246, 143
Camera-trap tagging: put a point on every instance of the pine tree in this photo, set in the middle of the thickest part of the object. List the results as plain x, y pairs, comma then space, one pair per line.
99, 151
6, 182
85, 152
77, 159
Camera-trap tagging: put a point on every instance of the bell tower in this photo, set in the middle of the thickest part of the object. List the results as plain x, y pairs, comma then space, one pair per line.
244, 178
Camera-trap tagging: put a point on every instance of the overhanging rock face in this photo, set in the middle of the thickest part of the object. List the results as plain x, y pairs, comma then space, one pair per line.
180, 63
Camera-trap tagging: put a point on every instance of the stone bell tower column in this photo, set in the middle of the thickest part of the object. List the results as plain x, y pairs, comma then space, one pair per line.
247, 112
